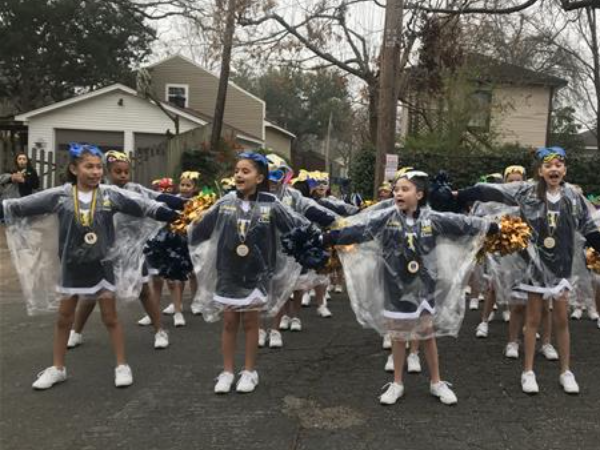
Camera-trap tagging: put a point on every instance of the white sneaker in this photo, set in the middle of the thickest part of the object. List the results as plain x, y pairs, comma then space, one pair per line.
169, 310
387, 342
75, 339
284, 324
247, 382
528, 383
306, 299
389, 364
145, 321
327, 295
506, 315
442, 391
123, 376
295, 324
577, 314
161, 339
49, 377
275, 339
512, 350
323, 311
391, 395
474, 304
483, 330
491, 317
224, 382
178, 320
593, 314
312, 293
196, 309
338, 289
549, 352
414, 363
567, 381
262, 338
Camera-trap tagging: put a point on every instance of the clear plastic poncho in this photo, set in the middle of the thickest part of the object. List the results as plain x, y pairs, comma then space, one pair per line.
237, 256
316, 213
548, 263
48, 252
502, 273
407, 277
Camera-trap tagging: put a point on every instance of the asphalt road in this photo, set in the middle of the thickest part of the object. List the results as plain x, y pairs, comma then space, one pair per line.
320, 391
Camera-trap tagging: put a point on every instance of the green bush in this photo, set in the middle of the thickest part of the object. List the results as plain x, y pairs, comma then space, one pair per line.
362, 172
466, 167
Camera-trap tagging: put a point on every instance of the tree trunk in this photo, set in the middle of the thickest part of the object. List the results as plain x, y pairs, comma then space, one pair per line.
388, 101
373, 112
595, 47
217, 125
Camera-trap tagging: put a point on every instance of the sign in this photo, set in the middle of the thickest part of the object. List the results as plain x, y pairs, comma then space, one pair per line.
391, 166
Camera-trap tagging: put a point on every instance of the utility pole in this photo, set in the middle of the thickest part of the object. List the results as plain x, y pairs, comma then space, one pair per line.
327, 142
388, 98
217, 125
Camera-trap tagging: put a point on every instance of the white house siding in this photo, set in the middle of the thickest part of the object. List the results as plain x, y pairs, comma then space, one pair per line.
242, 110
280, 142
103, 113
520, 114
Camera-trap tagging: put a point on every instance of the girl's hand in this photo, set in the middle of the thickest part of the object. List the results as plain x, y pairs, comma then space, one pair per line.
17, 177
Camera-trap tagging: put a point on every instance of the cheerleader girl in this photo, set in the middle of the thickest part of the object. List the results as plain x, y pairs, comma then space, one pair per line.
280, 174
556, 213
241, 273
517, 174
85, 210
118, 168
188, 188
404, 248
385, 191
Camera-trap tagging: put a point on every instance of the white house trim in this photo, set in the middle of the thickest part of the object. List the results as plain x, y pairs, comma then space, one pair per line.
35, 112
175, 85
269, 124
25, 117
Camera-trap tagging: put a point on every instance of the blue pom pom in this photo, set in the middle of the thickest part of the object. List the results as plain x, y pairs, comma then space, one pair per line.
440, 196
168, 253
305, 245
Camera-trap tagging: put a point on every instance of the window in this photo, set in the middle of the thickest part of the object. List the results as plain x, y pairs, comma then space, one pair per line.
482, 109
177, 94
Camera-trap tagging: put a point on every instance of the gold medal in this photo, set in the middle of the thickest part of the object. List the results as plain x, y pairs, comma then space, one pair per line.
413, 267
90, 238
242, 250
550, 242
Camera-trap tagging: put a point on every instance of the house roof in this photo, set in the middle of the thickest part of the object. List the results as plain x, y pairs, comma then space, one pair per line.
102, 91
269, 124
493, 70
489, 70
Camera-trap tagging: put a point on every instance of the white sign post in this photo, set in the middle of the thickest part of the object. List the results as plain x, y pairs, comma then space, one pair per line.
391, 166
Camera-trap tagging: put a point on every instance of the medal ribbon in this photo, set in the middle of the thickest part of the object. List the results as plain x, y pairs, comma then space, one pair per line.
88, 219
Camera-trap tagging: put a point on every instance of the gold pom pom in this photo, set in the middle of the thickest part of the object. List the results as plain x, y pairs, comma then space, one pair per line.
193, 211
592, 258
513, 237
367, 203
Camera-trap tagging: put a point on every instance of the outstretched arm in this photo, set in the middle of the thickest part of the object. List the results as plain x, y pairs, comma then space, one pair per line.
44, 202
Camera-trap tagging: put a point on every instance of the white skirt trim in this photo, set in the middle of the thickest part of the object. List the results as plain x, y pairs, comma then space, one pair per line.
102, 285
256, 296
424, 306
547, 292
